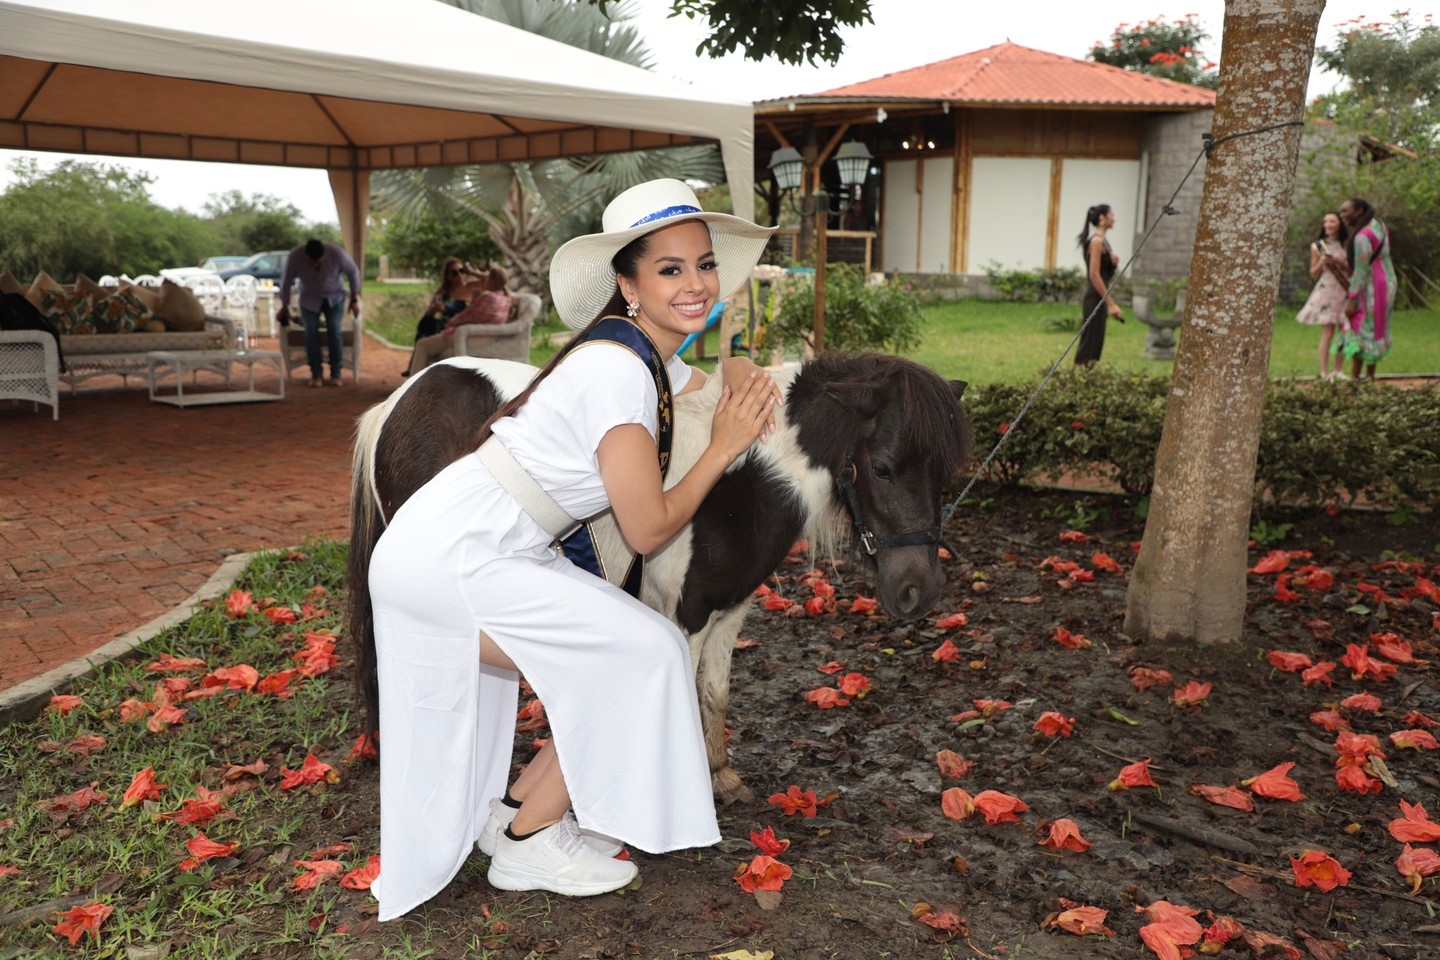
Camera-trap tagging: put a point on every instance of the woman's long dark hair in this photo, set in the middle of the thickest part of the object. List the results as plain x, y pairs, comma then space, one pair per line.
1366, 213
1342, 236
626, 263
1092, 219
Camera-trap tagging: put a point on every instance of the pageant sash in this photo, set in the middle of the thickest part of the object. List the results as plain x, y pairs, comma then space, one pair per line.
579, 546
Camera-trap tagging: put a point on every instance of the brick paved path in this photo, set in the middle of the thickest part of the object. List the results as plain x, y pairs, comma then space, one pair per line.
124, 507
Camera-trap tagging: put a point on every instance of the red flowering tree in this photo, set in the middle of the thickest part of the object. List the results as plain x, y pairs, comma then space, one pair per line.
1161, 48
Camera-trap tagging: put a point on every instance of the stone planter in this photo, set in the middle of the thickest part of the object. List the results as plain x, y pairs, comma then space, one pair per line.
1160, 341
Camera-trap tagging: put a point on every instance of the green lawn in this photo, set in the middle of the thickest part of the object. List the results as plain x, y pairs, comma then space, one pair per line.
987, 342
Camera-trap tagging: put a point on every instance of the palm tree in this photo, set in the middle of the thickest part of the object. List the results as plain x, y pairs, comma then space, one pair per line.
529, 205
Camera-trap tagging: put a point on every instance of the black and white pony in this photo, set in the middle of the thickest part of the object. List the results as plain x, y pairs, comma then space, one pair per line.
864, 442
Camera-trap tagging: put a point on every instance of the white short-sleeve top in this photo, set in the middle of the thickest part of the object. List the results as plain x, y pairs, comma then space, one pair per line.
556, 435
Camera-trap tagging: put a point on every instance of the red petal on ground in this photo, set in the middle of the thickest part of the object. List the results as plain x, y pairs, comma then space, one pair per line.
364, 748
1319, 869
952, 621
169, 664
313, 770
1330, 720
1052, 723
281, 615
949, 922
1264, 944
1276, 784
316, 873
1073, 536
234, 771
957, 804
1224, 796
795, 800
1071, 641
1103, 561
362, 877
866, 605
143, 787
1320, 673
239, 603
1133, 775
768, 843
1081, 921
999, 807
1354, 779
1064, 834
946, 652
1361, 701
78, 921
1273, 562
989, 708
1414, 739
854, 685
1394, 648
1414, 825
63, 703
1145, 678
952, 765
1192, 694
1171, 928
826, 698
240, 677
1288, 662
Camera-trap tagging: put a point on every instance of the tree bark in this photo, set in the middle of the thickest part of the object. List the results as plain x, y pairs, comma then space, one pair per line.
1189, 579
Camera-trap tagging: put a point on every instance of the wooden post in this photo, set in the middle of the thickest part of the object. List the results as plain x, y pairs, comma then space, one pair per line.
821, 253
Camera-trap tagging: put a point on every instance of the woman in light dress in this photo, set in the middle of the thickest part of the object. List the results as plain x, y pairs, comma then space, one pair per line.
1325, 307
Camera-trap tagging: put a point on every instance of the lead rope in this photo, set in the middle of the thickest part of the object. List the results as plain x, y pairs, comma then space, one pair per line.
1209, 142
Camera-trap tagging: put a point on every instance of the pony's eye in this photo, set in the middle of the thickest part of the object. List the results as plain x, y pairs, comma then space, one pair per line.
880, 469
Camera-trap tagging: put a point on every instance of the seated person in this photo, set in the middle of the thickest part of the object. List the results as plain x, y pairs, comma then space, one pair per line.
459, 282
491, 306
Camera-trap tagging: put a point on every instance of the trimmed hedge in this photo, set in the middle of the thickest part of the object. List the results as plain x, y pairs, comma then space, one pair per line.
1319, 442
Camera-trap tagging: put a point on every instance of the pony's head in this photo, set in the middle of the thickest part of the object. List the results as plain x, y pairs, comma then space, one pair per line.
892, 433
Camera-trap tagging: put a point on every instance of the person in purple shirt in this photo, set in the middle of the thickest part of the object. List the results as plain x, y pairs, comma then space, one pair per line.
318, 267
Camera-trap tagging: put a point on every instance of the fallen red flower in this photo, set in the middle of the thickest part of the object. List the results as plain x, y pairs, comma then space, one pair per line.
1319, 869
278, 683
1133, 775
1192, 694
1414, 740
281, 615
1357, 658
78, 921
63, 703
1172, 928
1417, 863
1288, 662
1276, 784
316, 873
944, 920
1354, 779
1330, 720
1361, 701
202, 848
1081, 921
1313, 578
1082, 576
952, 621
999, 807
1073, 536
1071, 641
1283, 593
768, 843
957, 804
1414, 825
164, 718
1224, 796
1417, 719
952, 765
364, 748
241, 677
1144, 678
762, 873
169, 664
208, 806
1394, 648
989, 708
1064, 834
362, 877
143, 787
1052, 723
795, 800
816, 606
81, 799
133, 709
826, 698
86, 745
773, 601
1103, 561
946, 652
1224, 929
239, 603
866, 605
313, 770
234, 771
854, 685
1273, 562
1320, 673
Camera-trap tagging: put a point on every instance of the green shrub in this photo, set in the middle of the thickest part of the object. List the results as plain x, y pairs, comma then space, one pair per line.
858, 316
1319, 442
1057, 285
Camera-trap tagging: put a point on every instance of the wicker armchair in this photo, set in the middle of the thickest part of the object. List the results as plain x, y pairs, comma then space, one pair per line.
504, 341
30, 368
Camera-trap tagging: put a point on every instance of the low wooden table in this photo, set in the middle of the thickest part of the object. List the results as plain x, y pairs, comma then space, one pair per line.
161, 363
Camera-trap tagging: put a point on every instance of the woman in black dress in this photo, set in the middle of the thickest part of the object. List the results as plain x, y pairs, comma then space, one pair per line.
1100, 264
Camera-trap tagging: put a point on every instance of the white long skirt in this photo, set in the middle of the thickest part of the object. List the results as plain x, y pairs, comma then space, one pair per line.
461, 557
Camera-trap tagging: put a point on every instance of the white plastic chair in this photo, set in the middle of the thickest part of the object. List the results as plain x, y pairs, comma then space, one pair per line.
240, 292
147, 280
108, 281
209, 290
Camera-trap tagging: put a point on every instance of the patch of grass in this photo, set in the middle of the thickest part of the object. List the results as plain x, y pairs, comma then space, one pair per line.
125, 857
993, 342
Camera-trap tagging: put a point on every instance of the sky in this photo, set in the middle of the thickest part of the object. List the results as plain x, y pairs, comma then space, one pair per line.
906, 33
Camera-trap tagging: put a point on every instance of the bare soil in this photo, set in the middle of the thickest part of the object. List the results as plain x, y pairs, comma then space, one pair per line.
881, 845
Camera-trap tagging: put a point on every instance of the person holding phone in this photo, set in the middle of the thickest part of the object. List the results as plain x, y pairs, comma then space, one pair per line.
1325, 307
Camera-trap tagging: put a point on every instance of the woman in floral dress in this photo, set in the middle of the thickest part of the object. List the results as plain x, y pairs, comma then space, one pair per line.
1325, 306
1365, 336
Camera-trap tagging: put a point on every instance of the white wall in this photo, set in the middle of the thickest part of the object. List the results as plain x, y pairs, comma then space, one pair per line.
901, 209
938, 199
1087, 182
1009, 212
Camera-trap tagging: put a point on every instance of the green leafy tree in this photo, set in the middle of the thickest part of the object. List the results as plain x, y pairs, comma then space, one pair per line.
425, 237
1161, 48
792, 31
85, 217
253, 224
1392, 74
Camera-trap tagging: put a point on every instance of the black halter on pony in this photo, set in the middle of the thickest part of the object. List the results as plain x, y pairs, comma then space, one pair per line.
870, 542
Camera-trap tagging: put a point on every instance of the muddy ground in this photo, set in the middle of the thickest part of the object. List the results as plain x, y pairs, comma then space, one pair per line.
881, 844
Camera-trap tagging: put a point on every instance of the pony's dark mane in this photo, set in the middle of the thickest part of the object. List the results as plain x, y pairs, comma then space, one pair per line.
930, 429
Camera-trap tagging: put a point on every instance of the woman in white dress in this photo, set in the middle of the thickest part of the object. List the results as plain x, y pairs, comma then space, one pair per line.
469, 591
1325, 307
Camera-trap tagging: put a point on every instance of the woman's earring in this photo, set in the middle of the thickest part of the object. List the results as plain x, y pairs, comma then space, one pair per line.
632, 308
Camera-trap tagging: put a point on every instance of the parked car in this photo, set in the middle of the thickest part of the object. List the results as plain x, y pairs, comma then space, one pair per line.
262, 266
218, 264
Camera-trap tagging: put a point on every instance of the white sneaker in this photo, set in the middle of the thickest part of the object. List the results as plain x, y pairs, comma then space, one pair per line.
502, 814
1341, 376
559, 860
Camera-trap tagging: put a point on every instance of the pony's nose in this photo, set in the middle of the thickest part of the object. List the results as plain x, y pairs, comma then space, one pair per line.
908, 601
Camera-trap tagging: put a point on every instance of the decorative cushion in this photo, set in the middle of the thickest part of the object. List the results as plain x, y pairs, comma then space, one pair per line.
179, 308
8, 283
149, 295
43, 281
153, 325
118, 311
84, 284
70, 312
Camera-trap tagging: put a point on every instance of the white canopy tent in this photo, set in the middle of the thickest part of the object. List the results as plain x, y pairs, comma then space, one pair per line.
349, 86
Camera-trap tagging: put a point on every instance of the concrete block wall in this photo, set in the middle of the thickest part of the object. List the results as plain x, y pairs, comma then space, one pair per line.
1169, 142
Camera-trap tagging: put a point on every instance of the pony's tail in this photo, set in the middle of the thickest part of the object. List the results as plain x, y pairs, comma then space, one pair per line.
367, 522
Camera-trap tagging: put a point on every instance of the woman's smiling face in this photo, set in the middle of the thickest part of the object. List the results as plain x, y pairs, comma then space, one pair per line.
676, 283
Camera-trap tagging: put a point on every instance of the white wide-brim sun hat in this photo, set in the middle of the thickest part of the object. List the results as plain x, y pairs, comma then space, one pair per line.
582, 279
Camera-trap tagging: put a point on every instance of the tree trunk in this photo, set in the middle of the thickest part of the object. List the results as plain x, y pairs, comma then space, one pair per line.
1189, 579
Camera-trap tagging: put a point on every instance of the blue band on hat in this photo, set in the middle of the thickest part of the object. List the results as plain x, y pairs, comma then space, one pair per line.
675, 211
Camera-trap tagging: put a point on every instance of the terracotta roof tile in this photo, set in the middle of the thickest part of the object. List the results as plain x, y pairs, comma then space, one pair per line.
1010, 73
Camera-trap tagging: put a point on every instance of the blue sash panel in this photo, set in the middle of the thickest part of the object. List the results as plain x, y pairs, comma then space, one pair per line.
579, 547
